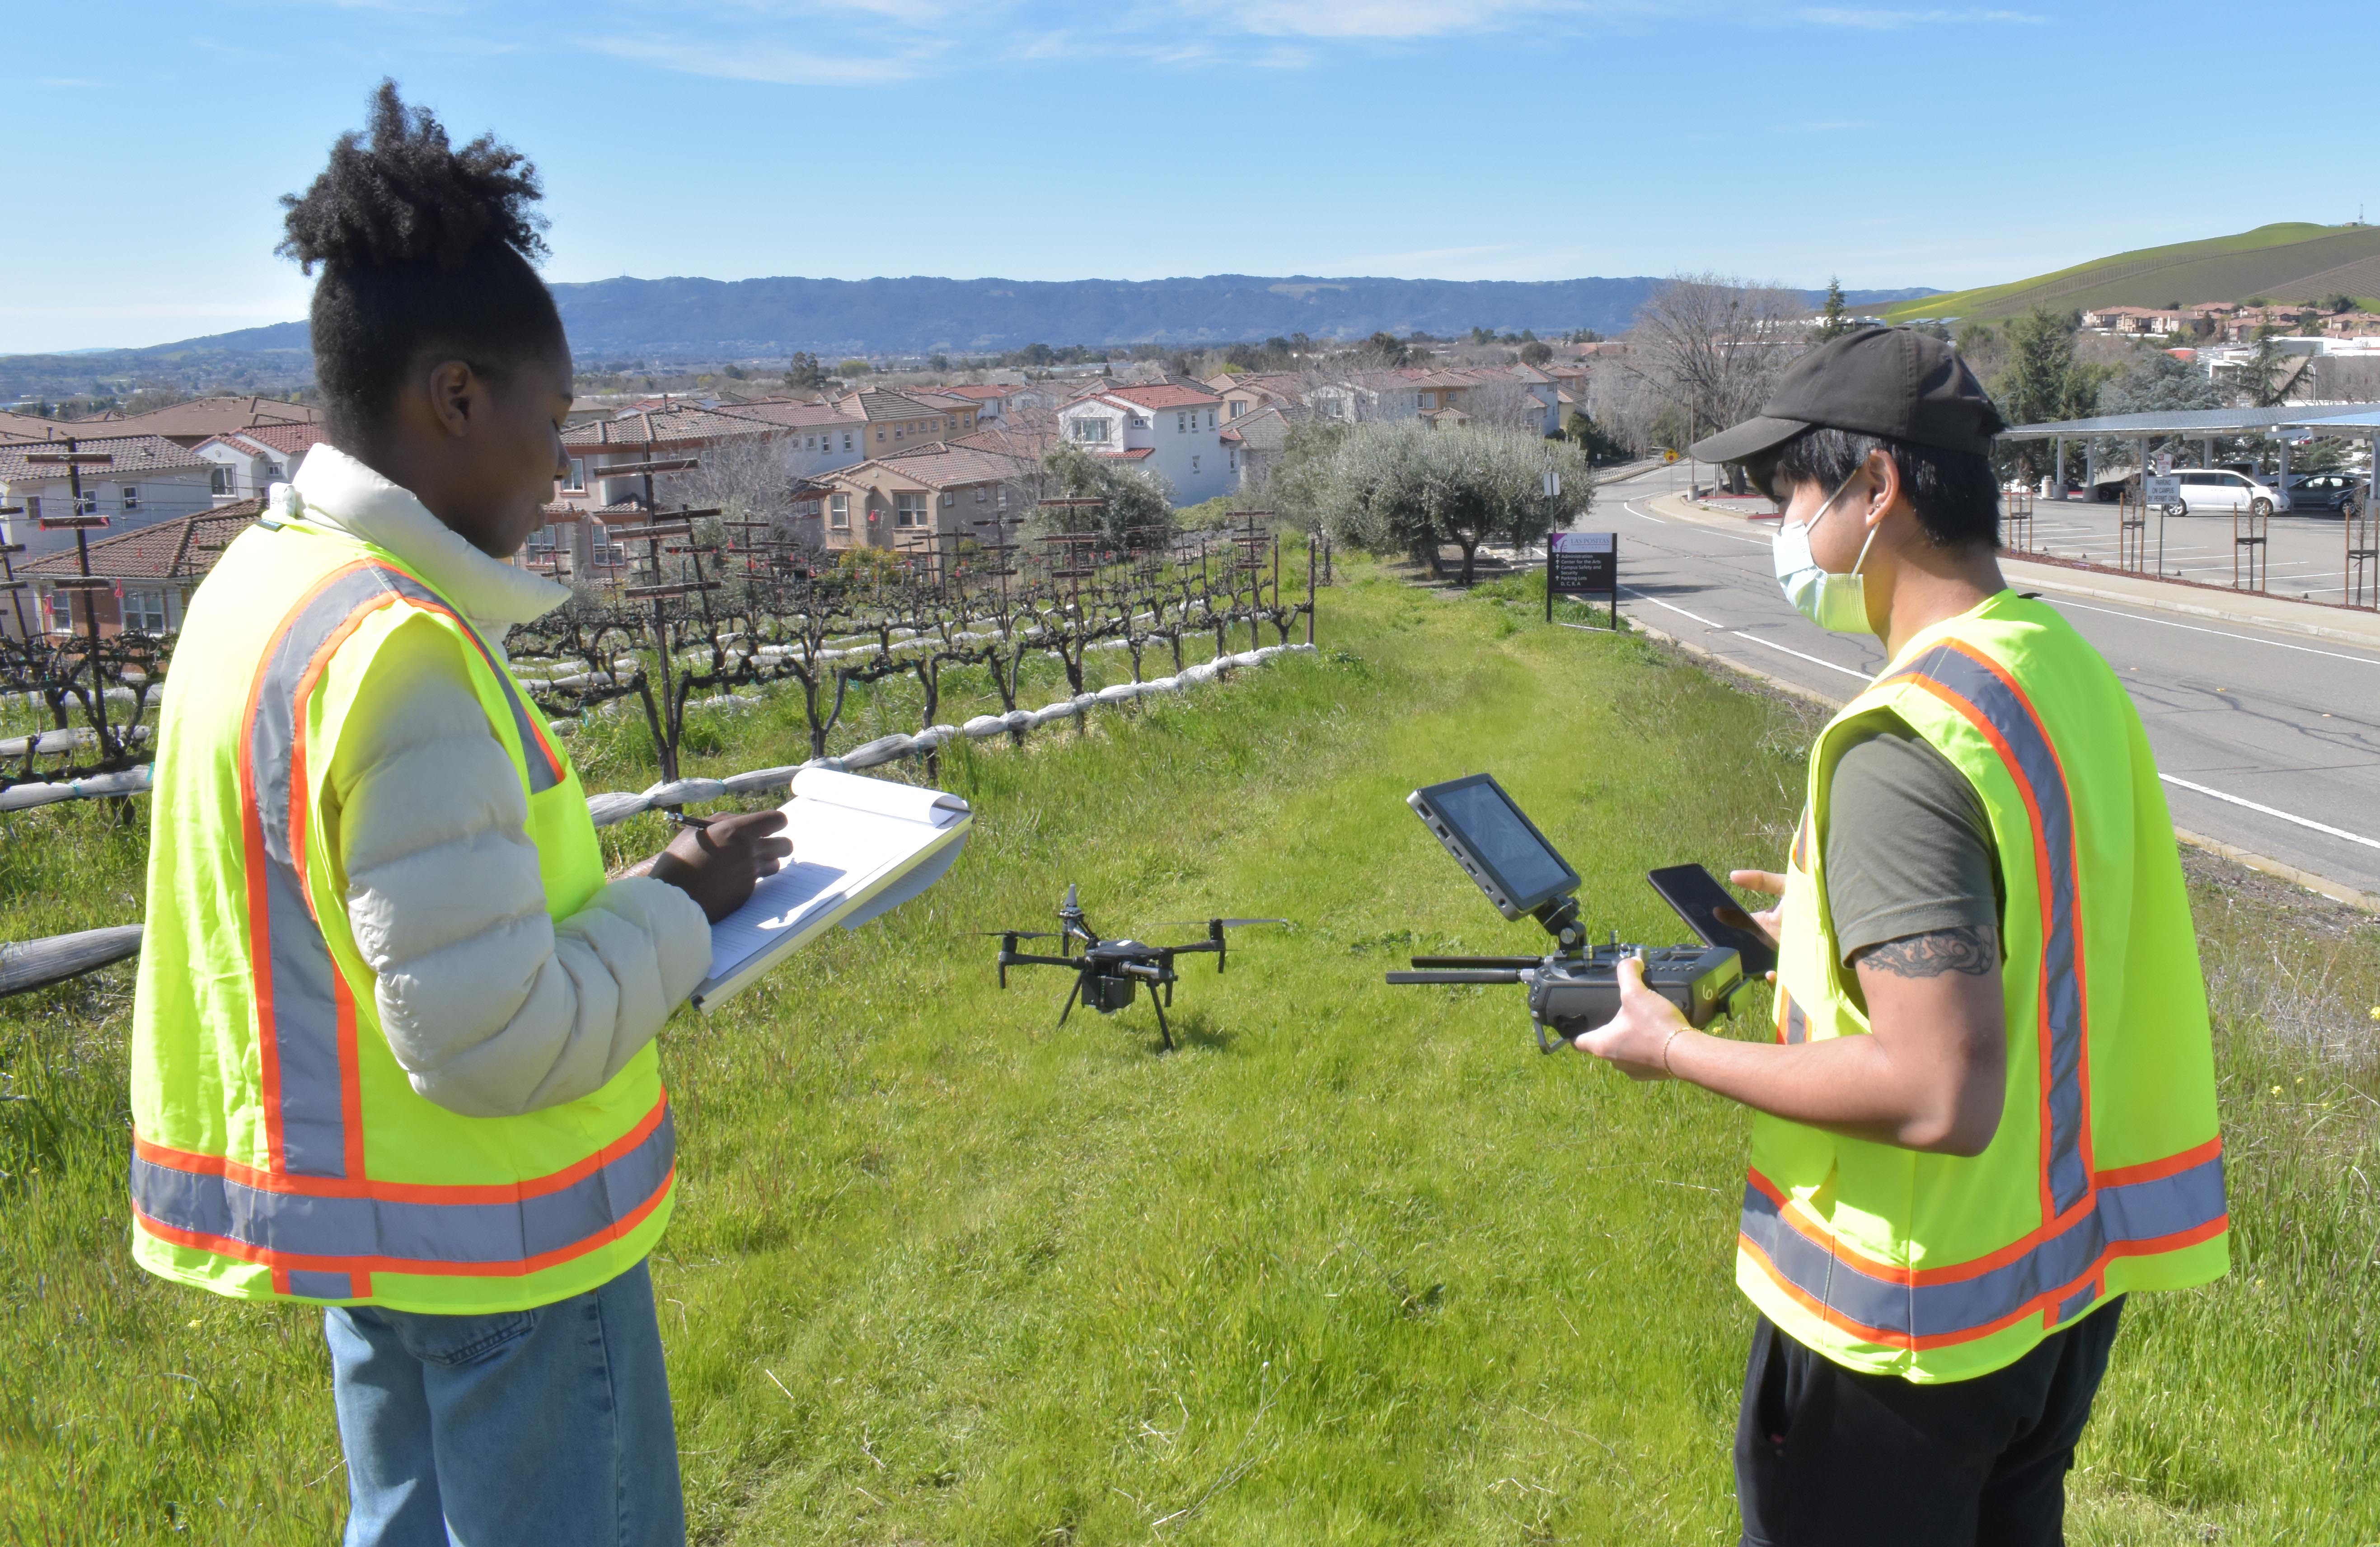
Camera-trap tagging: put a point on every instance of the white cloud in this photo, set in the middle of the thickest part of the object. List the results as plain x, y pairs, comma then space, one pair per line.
1895, 22
773, 64
1380, 18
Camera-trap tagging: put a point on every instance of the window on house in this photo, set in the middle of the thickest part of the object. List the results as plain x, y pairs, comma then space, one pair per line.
1181, 423
1194, 462
62, 618
846, 440
144, 611
1139, 423
577, 481
1001, 504
1095, 430
909, 511
950, 497
1238, 408
130, 494
978, 493
1211, 419
839, 513
224, 478
88, 503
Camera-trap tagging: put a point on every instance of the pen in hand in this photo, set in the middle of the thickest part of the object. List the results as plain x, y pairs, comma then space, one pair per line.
698, 823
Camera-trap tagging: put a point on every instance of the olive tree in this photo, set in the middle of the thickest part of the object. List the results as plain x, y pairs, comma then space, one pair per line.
1139, 506
1403, 487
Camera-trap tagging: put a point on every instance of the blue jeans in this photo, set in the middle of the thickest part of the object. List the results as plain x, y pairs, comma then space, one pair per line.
512, 1430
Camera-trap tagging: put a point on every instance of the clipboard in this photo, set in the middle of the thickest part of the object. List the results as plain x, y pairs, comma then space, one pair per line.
861, 848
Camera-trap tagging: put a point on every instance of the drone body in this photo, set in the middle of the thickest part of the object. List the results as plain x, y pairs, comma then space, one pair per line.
1109, 974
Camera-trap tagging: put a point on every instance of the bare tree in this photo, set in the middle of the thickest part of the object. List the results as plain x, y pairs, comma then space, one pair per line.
1709, 345
1505, 403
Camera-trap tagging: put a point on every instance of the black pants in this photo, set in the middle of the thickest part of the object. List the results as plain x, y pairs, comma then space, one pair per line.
1826, 1456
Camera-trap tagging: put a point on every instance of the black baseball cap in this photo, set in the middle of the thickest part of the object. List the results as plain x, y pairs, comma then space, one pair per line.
1895, 382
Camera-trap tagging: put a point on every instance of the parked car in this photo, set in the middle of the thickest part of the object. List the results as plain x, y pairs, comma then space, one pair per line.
2218, 491
2329, 493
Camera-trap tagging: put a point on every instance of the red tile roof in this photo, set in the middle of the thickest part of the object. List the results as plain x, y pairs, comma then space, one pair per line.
794, 416
1159, 395
201, 417
133, 454
1135, 455
183, 548
676, 426
979, 393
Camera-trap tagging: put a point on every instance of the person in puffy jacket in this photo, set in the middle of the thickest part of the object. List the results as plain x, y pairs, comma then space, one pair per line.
392, 1050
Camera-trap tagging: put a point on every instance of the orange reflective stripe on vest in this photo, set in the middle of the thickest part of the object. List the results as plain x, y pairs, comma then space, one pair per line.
326, 1228
1938, 1267
306, 1016
2057, 1270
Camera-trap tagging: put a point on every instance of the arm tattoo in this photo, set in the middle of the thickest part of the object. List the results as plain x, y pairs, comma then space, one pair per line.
1969, 949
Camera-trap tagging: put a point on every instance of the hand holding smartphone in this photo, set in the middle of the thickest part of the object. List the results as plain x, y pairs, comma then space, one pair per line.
1712, 912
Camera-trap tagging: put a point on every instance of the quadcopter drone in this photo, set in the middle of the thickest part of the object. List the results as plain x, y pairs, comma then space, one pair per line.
1108, 973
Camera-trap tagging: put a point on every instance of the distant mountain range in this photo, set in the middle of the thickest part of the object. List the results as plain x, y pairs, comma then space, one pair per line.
711, 319
2295, 261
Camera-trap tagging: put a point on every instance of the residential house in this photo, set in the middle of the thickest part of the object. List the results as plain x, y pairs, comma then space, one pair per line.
148, 479
251, 461
185, 424
892, 422
1252, 443
996, 402
153, 570
1171, 430
1251, 393
819, 437
929, 494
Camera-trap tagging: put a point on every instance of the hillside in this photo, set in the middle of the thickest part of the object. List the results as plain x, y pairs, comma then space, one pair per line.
2286, 262
711, 319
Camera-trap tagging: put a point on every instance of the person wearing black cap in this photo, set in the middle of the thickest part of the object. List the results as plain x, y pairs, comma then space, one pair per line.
1988, 1113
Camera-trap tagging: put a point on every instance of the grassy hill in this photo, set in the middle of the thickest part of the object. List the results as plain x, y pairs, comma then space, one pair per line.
1355, 1266
2295, 261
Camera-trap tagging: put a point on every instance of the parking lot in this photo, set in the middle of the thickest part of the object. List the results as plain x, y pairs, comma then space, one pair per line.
2305, 555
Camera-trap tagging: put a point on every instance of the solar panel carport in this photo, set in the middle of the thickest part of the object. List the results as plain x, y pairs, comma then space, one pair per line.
2354, 421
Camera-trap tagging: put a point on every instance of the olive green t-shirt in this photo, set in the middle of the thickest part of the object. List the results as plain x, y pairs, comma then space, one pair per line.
1908, 848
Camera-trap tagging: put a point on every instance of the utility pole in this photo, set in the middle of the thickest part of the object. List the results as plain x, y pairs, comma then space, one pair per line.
80, 523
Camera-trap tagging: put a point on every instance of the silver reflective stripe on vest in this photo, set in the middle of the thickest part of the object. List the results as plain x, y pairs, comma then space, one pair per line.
299, 1014
1987, 698
386, 1233
2058, 1274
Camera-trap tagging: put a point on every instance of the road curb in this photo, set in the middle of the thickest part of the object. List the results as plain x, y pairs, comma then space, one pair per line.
2320, 884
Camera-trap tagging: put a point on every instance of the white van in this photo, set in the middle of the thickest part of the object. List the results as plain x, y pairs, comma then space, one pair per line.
2215, 491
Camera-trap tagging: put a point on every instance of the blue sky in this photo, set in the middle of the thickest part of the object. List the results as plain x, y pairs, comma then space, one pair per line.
1453, 139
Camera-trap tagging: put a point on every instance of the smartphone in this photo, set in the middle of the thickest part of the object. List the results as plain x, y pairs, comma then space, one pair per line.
1712, 912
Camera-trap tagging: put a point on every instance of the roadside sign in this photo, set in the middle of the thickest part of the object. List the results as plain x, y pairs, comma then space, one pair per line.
2162, 463
2161, 491
1667, 455
1583, 563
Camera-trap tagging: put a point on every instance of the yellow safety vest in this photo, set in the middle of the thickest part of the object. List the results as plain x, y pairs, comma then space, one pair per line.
2105, 1175
279, 1151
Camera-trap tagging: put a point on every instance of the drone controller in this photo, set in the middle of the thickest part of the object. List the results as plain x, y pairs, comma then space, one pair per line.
1577, 989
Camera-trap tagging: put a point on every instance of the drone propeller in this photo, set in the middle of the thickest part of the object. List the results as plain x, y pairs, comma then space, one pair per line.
1020, 934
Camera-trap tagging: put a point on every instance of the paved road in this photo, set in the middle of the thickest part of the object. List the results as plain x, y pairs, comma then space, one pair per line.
2269, 740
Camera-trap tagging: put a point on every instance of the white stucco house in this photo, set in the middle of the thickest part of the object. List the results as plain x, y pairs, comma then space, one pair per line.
147, 479
248, 462
1170, 430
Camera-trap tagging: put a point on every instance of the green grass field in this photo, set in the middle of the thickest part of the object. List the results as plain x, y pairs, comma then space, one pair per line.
1355, 1265
2292, 261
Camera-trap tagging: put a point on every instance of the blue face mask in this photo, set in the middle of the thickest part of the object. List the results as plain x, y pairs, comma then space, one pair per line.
1830, 600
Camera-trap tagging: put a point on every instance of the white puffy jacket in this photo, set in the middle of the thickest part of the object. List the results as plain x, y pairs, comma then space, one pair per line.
490, 1006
